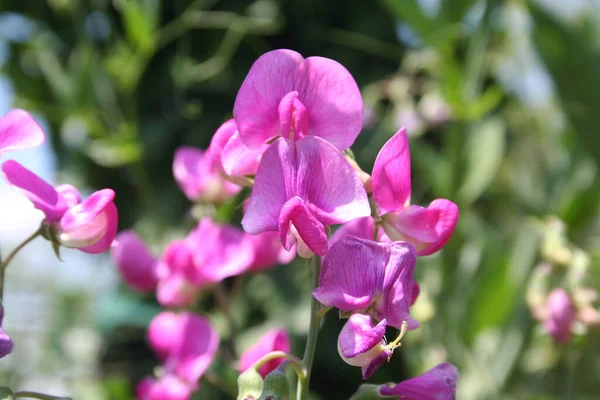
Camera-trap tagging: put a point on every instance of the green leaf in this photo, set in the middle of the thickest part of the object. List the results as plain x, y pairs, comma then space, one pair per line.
484, 152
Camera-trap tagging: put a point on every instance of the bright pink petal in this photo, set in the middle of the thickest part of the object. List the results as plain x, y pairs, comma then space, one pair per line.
561, 315
165, 334
295, 214
274, 340
428, 229
438, 383
240, 160
328, 184
6, 343
18, 130
395, 307
167, 387
219, 140
175, 290
111, 215
43, 196
391, 179
268, 251
135, 263
358, 272
328, 100
220, 252
69, 194
360, 227
274, 184
373, 366
358, 337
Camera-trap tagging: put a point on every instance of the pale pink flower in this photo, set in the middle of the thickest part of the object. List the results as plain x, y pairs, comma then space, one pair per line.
274, 340
18, 130
300, 188
428, 229
89, 225
135, 263
289, 96
439, 383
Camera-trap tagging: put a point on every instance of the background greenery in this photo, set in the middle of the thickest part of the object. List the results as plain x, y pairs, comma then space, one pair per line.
501, 98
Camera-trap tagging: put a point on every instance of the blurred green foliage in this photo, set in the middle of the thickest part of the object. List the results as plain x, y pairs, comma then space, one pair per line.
501, 98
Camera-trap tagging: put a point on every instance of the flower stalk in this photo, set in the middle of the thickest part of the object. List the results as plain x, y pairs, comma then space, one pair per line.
4, 263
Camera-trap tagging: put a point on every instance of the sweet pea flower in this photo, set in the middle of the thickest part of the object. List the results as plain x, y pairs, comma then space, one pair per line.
289, 96
439, 383
376, 279
299, 189
174, 288
6, 343
363, 228
268, 251
559, 315
236, 161
186, 343
89, 225
199, 178
135, 263
18, 131
274, 340
428, 229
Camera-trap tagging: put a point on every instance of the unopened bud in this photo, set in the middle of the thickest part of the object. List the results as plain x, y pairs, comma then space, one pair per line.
277, 385
367, 392
250, 385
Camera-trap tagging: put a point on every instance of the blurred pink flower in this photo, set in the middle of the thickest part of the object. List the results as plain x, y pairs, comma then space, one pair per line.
289, 96
89, 225
167, 387
274, 340
6, 343
268, 251
174, 288
439, 383
199, 177
18, 130
371, 278
428, 229
135, 263
299, 189
559, 315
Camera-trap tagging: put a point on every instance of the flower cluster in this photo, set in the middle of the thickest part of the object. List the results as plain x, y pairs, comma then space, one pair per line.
293, 121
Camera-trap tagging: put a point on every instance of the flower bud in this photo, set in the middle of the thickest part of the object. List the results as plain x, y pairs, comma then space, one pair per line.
277, 386
250, 385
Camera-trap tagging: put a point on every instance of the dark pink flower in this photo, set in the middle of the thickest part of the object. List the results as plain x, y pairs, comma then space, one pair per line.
89, 225
6, 343
559, 315
185, 342
274, 340
268, 251
438, 383
428, 229
18, 130
376, 279
199, 178
137, 266
299, 189
289, 96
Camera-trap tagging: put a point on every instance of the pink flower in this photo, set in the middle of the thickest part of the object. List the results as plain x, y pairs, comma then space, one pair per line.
18, 130
167, 387
235, 160
199, 178
137, 266
559, 315
175, 288
299, 189
89, 225
428, 229
289, 96
376, 279
185, 342
268, 251
274, 340
6, 343
438, 383
363, 228
361, 344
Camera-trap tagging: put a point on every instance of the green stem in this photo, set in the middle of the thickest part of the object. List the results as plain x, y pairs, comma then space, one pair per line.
223, 303
313, 332
4, 264
294, 361
36, 395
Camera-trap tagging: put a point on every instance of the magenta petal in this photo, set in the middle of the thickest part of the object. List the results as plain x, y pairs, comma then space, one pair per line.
358, 336
373, 366
167, 387
135, 263
428, 229
391, 180
219, 141
111, 216
164, 334
175, 290
238, 159
310, 230
6, 344
328, 183
396, 306
69, 194
274, 340
438, 383
561, 315
360, 227
275, 180
43, 196
18, 130
357, 272
268, 251
220, 252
